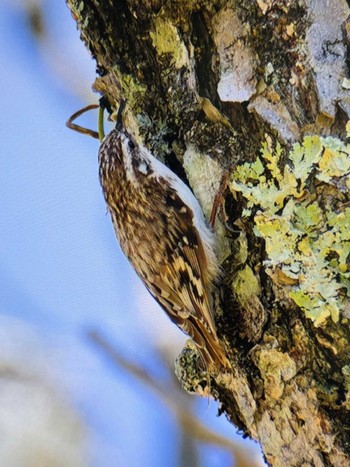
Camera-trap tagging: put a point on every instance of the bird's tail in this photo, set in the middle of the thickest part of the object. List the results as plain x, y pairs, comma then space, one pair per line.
208, 344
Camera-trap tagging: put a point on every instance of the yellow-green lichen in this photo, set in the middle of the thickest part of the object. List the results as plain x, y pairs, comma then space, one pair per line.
132, 89
307, 237
246, 285
166, 40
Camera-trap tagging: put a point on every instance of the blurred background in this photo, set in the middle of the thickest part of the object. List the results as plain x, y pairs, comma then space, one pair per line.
66, 398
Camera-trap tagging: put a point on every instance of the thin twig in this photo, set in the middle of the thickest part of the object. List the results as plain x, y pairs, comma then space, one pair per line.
188, 422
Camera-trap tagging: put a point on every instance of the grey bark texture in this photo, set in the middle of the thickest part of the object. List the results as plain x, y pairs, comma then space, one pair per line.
207, 83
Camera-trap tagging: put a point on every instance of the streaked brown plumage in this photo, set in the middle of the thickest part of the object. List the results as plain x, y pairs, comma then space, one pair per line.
162, 231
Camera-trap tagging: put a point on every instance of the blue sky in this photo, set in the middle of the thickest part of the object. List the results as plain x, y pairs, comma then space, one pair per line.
61, 270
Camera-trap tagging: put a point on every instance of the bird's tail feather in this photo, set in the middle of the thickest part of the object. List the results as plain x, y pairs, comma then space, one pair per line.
208, 344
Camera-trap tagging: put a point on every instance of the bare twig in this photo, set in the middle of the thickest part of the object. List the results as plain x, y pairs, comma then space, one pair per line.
187, 420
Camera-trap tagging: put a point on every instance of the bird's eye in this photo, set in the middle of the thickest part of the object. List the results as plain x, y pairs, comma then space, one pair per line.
131, 145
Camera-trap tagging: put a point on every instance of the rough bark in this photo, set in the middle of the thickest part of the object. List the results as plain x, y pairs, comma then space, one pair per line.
208, 85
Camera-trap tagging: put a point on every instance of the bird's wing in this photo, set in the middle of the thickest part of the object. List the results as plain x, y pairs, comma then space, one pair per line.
180, 283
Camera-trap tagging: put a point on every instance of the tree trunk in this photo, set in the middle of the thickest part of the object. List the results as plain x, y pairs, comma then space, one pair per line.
257, 90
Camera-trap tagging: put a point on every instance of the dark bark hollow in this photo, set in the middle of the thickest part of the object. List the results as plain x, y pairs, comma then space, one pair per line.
225, 86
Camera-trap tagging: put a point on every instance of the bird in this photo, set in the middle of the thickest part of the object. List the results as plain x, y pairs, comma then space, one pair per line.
162, 231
